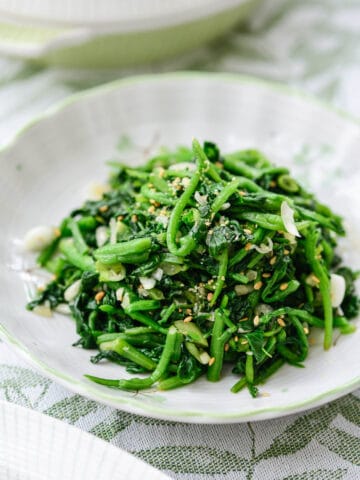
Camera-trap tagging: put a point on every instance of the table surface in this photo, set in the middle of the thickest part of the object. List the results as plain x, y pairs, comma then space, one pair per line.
311, 44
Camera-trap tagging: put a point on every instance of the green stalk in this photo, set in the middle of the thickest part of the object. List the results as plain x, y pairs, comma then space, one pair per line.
216, 347
142, 383
73, 256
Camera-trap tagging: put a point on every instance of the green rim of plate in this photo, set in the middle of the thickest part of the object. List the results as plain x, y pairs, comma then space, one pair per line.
13, 33
132, 404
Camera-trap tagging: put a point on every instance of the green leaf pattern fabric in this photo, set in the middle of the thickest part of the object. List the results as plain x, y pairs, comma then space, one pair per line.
312, 44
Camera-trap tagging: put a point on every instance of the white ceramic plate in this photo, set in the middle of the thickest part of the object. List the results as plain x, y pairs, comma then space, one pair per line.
125, 14
44, 173
34, 446
112, 34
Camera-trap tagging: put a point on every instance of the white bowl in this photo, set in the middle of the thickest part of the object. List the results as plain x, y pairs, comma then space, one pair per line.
116, 33
48, 165
126, 14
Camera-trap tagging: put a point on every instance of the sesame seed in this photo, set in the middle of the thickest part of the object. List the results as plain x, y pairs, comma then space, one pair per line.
188, 319
244, 342
134, 218
281, 322
286, 252
236, 338
99, 296
188, 311
151, 209
103, 208
209, 296
245, 319
306, 330
248, 246
272, 184
258, 285
272, 260
315, 278
242, 194
283, 286
120, 218
265, 394
266, 275
247, 231
256, 320
226, 347
211, 361
57, 232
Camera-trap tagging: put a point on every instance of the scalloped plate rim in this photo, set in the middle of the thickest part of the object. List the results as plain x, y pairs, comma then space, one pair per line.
132, 405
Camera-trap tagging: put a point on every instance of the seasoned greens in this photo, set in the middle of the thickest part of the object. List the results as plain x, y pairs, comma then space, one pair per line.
196, 260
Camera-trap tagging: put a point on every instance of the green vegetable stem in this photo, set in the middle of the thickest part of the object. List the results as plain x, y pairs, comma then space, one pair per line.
200, 264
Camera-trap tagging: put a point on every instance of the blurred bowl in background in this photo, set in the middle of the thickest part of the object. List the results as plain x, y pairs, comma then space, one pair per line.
115, 33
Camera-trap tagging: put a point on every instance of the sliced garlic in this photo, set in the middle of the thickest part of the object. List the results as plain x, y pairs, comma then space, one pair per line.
337, 288
158, 274
120, 294
243, 289
101, 235
72, 291
43, 310
39, 237
147, 282
63, 308
287, 215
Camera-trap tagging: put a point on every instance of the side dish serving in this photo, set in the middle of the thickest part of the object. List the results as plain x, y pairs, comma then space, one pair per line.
194, 261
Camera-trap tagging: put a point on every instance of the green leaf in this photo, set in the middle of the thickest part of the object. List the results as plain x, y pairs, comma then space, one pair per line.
72, 408
342, 443
350, 408
223, 236
119, 421
115, 423
23, 386
320, 474
198, 460
256, 342
299, 434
